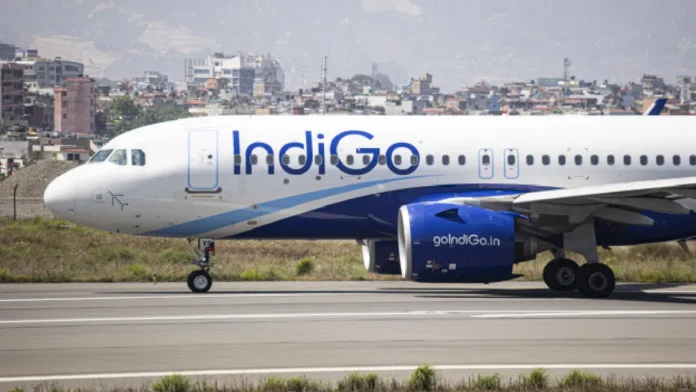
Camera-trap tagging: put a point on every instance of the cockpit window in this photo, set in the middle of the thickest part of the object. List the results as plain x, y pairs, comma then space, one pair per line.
138, 157
119, 157
101, 156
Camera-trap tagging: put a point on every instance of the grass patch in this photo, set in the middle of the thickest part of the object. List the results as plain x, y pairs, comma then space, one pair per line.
304, 267
173, 383
52, 250
422, 379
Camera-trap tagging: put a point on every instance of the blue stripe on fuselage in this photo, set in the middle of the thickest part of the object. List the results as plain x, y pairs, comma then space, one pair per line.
215, 222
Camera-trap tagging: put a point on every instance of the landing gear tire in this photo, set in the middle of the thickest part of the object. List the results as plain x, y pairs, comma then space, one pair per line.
199, 281
596, 280
561, 275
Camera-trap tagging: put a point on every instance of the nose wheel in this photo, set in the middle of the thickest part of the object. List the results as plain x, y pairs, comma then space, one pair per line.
200, 281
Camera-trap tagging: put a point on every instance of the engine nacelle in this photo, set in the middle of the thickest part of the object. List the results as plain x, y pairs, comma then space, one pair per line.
455, 243
381, 256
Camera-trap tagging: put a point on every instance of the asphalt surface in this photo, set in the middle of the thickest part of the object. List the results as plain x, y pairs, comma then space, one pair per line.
105, 334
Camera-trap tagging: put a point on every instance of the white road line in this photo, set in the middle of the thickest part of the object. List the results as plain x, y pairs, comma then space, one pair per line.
233, 372
180, 296
583, 313
483, 314
243, 316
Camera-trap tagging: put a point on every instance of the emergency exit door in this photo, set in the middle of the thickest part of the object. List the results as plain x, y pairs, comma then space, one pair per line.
203, 161
485, 164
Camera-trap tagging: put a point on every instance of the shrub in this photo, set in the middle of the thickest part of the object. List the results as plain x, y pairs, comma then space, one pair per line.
486, 383
578, 379
251, 275
424, 378
301, 384
537, 379
304, 267
273, 384
173, 383
359, 383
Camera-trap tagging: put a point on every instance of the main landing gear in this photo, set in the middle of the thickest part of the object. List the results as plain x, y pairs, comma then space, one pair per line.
200, 281
593, 280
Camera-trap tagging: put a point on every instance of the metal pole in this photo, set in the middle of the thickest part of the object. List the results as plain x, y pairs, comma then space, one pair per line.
14, 202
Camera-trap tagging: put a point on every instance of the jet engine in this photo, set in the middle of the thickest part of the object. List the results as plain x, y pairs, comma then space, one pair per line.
381, 256
461, 243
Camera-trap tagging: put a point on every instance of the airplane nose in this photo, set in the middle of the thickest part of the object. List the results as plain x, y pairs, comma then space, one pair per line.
60, 199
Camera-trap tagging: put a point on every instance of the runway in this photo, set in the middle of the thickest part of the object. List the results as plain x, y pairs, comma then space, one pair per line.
92, 334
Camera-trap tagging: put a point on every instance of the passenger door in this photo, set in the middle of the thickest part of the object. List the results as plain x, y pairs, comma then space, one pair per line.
203, 175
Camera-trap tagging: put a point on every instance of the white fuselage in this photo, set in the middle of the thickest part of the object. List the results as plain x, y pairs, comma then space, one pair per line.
199, 179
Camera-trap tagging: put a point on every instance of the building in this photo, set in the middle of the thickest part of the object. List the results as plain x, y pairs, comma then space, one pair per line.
78, 150
26, 54
11, 92
241, 71
152, 80
42, 73
75, 106
422, 86
7, 52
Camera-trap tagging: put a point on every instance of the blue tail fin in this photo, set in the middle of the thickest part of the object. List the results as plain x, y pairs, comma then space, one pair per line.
656, 108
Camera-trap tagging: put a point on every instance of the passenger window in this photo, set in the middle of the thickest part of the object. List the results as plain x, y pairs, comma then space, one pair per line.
462, 160
692, 160
594, 160
301, 159
676, 160
511, 160
561, 160
318, 160
366, 159
530, 160
643, 160
269, 160
350, 160
486, 160
610, 160
414, 160
660, 160
237, 160
429, 160
286, 160
578, 160
397, 160
100, 156
254, 159
137, 158
334, 160
119, 158
546, 160
382, 160
627, 160
445, 160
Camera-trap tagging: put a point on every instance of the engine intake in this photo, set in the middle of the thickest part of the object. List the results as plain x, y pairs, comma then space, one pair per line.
455, 243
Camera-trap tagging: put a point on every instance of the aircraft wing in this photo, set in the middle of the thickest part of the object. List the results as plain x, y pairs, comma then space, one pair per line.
559, 211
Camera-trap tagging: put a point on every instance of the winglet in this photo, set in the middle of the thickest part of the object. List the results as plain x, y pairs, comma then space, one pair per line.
656, 108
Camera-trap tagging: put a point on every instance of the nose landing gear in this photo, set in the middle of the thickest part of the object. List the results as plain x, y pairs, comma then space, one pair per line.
200, 281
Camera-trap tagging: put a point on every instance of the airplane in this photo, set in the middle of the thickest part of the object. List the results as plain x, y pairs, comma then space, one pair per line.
456, 199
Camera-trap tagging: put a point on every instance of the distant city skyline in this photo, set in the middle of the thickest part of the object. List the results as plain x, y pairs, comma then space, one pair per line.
459, 42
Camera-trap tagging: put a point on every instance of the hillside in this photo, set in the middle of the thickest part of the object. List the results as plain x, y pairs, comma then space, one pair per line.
34, 179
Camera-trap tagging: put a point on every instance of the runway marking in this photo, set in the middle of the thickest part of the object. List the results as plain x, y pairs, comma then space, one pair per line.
233, 372
583, 313
482, 314
178, 296
243, 316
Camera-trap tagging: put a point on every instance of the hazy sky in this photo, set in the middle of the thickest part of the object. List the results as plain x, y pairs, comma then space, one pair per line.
458, 41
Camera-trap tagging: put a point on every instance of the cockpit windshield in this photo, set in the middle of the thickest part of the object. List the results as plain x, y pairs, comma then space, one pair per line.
119, 157
100, 156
